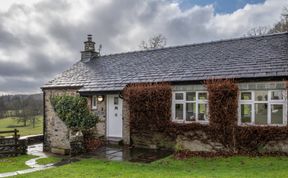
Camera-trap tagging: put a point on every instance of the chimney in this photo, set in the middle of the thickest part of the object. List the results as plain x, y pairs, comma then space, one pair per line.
89, 50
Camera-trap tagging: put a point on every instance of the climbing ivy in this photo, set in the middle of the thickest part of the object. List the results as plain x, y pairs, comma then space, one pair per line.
73, 110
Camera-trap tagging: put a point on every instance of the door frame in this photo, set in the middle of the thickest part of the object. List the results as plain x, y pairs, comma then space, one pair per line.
107, 114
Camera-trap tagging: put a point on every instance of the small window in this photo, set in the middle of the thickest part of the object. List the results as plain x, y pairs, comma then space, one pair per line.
116, 100
179, 112
276, 114
246, 113
190, 96
277, 95
94, 102
261, 95
179, 96
246, 96
202, 96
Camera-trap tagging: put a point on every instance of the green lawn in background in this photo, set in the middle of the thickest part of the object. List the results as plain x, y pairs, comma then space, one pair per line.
232, 167
14, 163
11, 123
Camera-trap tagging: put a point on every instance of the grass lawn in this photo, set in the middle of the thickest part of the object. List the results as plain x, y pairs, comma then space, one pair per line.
14, 163
48, 160
11, 123
168, 168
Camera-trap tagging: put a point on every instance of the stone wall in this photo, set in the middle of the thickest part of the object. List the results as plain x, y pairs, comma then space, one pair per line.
152, 140
126, 125
194, 140
56, 134
101, 112
197, 141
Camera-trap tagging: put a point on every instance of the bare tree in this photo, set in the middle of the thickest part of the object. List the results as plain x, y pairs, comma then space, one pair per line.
157, 41
262, 30
282, 25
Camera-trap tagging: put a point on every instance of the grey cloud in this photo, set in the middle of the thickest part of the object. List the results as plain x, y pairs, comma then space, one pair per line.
20, 85
7, 39
57, 39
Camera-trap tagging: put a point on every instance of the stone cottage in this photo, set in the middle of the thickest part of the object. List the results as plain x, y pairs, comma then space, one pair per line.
258, 64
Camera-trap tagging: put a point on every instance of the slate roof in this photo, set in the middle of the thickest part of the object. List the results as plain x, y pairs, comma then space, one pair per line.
250, 57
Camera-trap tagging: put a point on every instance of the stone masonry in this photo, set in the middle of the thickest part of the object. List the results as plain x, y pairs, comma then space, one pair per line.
126, 123
101, 112
56, 134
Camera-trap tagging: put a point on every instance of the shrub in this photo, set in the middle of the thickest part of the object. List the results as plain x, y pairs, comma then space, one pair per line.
223, 104
149, 105
74, 112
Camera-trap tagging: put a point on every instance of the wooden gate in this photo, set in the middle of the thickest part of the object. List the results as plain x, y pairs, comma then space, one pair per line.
11, 145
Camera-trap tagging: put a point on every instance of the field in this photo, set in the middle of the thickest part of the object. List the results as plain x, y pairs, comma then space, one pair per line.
10, 123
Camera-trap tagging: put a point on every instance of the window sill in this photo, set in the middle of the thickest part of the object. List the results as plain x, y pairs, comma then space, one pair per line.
190, 122
261, 125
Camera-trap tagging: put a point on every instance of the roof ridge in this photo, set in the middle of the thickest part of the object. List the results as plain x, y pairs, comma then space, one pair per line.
197, 44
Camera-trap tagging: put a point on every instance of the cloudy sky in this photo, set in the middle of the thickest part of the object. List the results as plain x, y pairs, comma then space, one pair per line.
41, 38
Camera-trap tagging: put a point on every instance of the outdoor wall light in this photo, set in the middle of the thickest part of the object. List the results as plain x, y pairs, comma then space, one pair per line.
100, 98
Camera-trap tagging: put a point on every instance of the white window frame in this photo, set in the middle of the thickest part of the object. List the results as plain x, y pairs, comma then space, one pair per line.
184, 102
94, 102
269, 103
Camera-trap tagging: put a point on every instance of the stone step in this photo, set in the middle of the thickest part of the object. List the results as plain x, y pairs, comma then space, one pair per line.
113, 141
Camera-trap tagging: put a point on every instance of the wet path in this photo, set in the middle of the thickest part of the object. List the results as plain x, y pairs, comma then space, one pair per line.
35, 150
128, 154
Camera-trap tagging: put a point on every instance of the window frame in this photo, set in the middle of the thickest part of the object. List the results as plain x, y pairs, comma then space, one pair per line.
269, 103
184, 102
94, 103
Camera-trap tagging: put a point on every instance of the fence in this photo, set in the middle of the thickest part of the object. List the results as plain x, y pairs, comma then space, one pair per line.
11, 145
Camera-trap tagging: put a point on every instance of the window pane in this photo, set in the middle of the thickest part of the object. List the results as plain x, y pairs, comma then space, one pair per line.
261, 113
246, 113
179, 96
116, 100
190, 96
246, 96
261, 95
94, 102
179, 111
190, 112
202, 112
202, 96
276, 114
277, 95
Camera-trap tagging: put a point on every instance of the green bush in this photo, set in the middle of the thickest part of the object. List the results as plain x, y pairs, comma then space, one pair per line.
73, 110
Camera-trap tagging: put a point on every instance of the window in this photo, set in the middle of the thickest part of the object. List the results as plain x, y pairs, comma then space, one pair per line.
246, 113
116, 101
179, 112
262, 107
190, 106
94, 102
246, 96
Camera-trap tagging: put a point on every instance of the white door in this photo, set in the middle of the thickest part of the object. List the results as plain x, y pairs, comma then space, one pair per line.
114, 116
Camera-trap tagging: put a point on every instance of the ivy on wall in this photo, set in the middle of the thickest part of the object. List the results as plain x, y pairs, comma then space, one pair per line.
149, 105
150, 112
74, 112
223, 107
